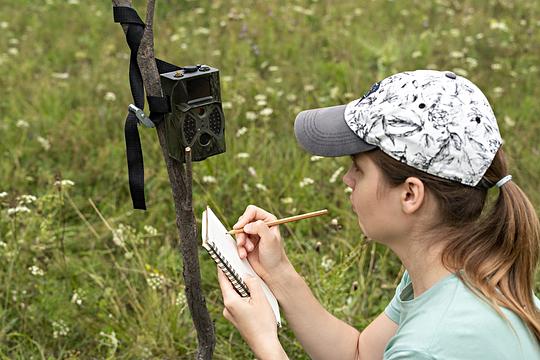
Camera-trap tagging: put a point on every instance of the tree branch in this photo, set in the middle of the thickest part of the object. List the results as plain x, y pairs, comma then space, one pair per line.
181, 186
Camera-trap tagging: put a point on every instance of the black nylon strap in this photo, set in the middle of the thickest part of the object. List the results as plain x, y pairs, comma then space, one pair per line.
128, 16
159, 106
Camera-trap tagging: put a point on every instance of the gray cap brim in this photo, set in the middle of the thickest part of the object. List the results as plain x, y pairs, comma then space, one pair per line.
324, 132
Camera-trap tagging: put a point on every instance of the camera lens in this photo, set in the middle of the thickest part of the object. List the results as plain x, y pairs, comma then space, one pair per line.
204, 139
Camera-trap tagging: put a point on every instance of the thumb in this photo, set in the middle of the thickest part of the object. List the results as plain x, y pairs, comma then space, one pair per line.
254, 287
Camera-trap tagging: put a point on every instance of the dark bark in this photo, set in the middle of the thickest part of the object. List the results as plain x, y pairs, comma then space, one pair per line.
181, 185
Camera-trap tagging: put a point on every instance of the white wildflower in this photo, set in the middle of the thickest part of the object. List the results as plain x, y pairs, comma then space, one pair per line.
227, 105
18, 209
334, 222
239, 99
181, 299
306, 181
119, 236
287, 200
498, 25
227, 78
416, 54
266, 112
13, 51
201, 31
316, 157
309, 87
61, 76
242, 155
60, 328
241, 131
291, 97
4, 25
77, 297
252, 171
496, 66
456, 54
36, 271
174, 37
334, 92
498, 91
22, 124
3, 194
45, 144
508, 120
455, 32
26, 199
261, 187
473, 63
336, 173
155, 281
348, 190
209, 179
260, 97
2, 244
251, 115
199, 10
273, 68
13, 41
109, 96
150, 230
216, 52
73, 2
327, 263
261, 103
64, 183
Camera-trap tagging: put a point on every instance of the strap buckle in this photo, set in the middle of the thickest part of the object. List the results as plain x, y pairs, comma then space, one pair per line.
139, 114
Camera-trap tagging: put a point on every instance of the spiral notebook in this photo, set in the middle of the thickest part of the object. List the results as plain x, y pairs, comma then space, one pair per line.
222, 248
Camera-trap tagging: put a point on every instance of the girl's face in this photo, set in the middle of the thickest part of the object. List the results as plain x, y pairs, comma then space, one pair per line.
378, 217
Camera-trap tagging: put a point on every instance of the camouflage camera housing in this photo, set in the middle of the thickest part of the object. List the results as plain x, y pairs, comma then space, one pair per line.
196, 118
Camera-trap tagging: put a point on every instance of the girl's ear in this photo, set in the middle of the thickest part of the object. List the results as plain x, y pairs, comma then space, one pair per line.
412, 195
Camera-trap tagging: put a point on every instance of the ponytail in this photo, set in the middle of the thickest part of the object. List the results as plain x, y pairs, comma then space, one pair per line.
496, 247
501, 254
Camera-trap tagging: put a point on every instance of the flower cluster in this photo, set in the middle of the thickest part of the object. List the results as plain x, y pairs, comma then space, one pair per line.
60, 328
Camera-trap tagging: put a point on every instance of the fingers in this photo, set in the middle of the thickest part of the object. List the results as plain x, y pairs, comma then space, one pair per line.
261, 229
245, 242
253, 213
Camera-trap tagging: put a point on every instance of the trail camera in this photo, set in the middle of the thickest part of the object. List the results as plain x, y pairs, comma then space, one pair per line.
196, 118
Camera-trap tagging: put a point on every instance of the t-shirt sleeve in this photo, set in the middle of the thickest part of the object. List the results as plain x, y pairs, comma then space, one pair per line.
408, 355
393, 309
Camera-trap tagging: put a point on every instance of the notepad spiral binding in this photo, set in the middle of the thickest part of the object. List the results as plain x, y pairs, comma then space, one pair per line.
239, 285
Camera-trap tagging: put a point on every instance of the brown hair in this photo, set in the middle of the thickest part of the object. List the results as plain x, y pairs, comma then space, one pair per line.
496, 247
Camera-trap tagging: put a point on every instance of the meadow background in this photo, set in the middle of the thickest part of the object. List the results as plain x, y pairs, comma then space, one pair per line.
85, 276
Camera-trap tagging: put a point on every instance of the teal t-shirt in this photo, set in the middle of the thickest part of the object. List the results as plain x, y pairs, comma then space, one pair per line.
448, 321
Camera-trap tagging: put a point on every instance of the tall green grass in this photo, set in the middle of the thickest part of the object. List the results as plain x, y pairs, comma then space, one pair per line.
85, 276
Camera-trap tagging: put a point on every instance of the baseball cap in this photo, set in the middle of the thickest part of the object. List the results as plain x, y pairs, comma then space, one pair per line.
434, 121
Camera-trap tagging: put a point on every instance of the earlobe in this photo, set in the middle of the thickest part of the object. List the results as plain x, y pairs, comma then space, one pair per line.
413, 195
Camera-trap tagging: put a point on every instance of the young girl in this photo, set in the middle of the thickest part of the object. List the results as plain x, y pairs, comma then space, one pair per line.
425, 151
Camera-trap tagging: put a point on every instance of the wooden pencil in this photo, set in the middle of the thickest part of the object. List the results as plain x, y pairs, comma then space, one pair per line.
286, 220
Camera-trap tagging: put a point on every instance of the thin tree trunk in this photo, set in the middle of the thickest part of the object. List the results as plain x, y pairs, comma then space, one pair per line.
181, 184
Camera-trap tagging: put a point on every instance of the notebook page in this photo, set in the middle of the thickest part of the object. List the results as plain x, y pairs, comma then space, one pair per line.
226, 244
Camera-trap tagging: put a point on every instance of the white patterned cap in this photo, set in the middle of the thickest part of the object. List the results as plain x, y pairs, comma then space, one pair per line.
434, 121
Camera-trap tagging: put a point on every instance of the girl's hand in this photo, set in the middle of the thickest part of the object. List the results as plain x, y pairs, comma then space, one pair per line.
262, 245
252, 316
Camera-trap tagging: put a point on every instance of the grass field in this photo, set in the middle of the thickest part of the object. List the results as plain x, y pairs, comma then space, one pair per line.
85, 276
